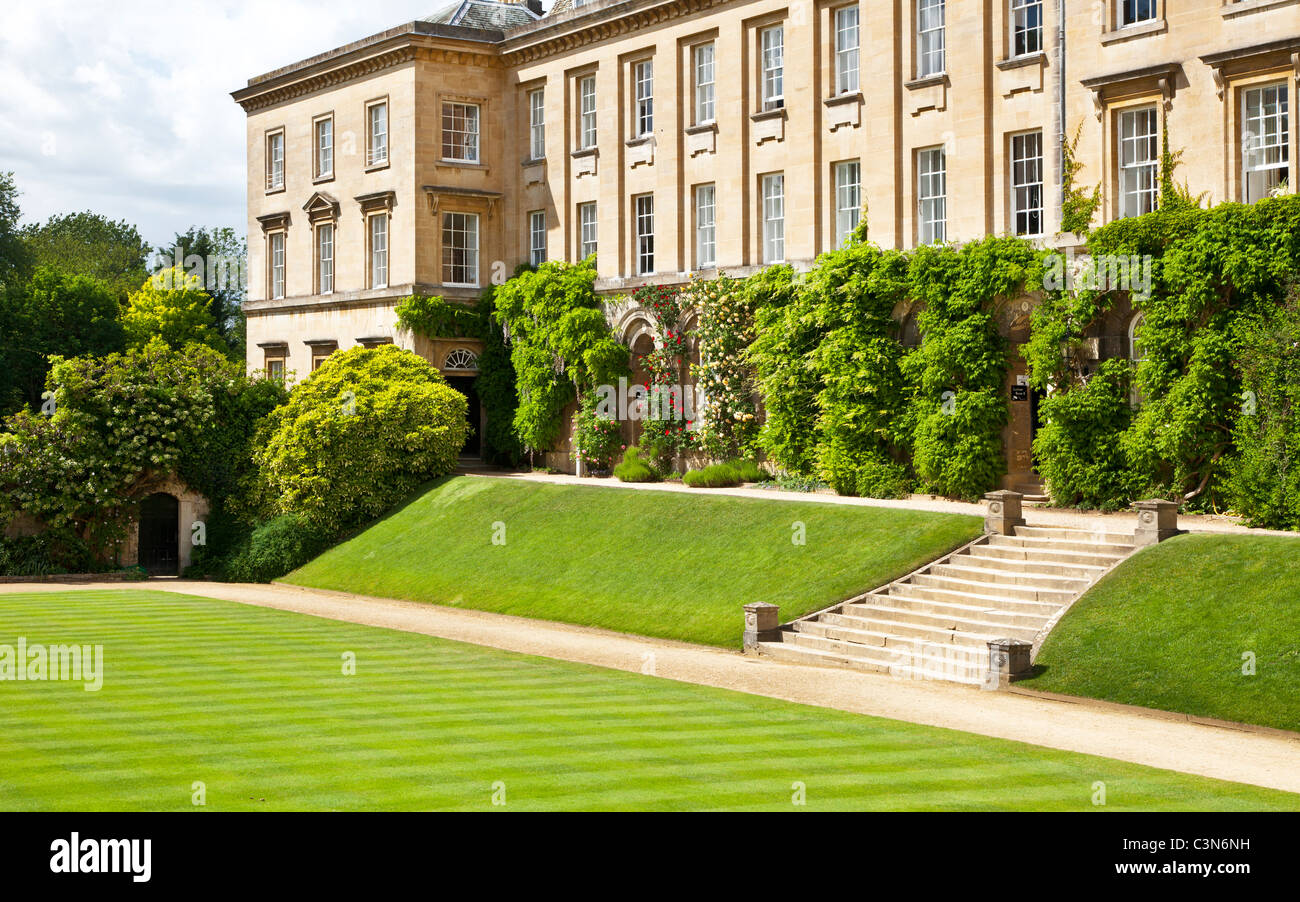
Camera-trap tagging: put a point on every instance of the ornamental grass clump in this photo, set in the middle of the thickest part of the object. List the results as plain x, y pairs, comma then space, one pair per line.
714, 476
634, 469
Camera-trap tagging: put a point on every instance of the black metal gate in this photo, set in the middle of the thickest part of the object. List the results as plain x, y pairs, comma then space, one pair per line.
160, 534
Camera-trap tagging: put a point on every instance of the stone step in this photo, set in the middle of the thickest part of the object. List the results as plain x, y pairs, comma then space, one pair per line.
955, 596
958, 569
1036, 617
1053, 556
1038, 610
976, 558
996, 590
938, 661
1056, 545
941, 628
1074, 533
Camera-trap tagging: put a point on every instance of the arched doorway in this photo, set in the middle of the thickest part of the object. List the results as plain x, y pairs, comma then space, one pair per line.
460, 369
160, 534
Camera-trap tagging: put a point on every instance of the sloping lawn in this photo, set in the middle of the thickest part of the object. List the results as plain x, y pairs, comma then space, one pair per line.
1168, 629
662, 564
254, 705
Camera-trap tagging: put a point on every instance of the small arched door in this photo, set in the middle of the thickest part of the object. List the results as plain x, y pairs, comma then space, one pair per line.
160, 534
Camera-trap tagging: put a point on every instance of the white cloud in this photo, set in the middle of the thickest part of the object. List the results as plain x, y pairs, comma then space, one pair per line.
124, 108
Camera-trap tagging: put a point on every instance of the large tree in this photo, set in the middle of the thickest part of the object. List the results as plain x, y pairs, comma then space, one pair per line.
55, 314
88, 244
218, 256
14, 257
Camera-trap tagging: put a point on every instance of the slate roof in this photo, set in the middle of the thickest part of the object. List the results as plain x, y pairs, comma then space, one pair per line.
483, 14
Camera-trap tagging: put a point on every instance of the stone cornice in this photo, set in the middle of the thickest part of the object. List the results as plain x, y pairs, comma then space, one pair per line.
394, 49
582, 27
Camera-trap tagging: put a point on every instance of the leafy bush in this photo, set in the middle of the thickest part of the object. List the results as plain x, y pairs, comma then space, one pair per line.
174, 308
749, 471
359, 435
1078, 458
49, 552
714, 476
634, 469
595, 437
1263, 481
561, 345
275, 548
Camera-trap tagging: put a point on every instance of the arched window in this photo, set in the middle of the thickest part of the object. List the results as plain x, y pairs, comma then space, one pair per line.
461, 359
1134, 343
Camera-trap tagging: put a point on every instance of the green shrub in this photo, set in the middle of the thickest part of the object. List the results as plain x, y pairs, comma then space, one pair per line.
359, 435
275, 548
1078, 457
1263, 482
50, 552
749, 471
714, 476
634, 469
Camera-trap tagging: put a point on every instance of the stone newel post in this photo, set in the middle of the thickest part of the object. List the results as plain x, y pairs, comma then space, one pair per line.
1008, 662
1003, 512
761, 624
1157, 521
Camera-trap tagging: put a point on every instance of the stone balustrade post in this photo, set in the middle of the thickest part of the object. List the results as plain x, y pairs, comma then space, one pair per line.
761, 624
1003, 515
1157, 521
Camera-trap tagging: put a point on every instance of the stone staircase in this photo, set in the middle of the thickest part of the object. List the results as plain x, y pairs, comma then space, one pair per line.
937, 622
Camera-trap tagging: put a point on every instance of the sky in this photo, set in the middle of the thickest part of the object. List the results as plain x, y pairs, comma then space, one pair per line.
123, 108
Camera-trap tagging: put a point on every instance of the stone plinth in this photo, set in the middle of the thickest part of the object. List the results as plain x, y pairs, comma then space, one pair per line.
761, 624
1008, 662
1003, 514
1157, 521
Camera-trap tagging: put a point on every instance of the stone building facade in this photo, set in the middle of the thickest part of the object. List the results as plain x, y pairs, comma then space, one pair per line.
680, 136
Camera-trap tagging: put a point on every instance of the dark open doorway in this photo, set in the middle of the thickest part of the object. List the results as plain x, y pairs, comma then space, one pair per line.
160, 534
465, 385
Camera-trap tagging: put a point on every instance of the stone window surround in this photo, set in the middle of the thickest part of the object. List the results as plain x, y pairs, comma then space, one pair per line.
284, 159
388, 133
1247, 67
688, 45
1112, 32
275, 224
317, 178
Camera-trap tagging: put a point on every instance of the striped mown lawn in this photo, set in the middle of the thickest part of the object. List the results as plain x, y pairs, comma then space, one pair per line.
667, 564
254, 704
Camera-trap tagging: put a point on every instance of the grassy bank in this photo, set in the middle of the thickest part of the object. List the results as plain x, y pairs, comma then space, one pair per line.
667, 564
1174, 626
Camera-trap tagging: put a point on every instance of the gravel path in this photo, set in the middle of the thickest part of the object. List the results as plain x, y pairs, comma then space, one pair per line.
1150, 738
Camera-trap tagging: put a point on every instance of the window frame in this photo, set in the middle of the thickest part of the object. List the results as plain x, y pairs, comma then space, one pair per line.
277, 286
471, 264
323, 228
771, 67
643, 98
537, 124
373, 160
1017, 11
932, 230
583, 224
1150, 165
282, 359
275, 179
843, 53
1016, 184
706, 233
449, 106
844, 231
373, 280
537, 251
772, 217
937, 36
1282, 117
701, 116
643, 232
1121, 10
320, 174
587, 122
